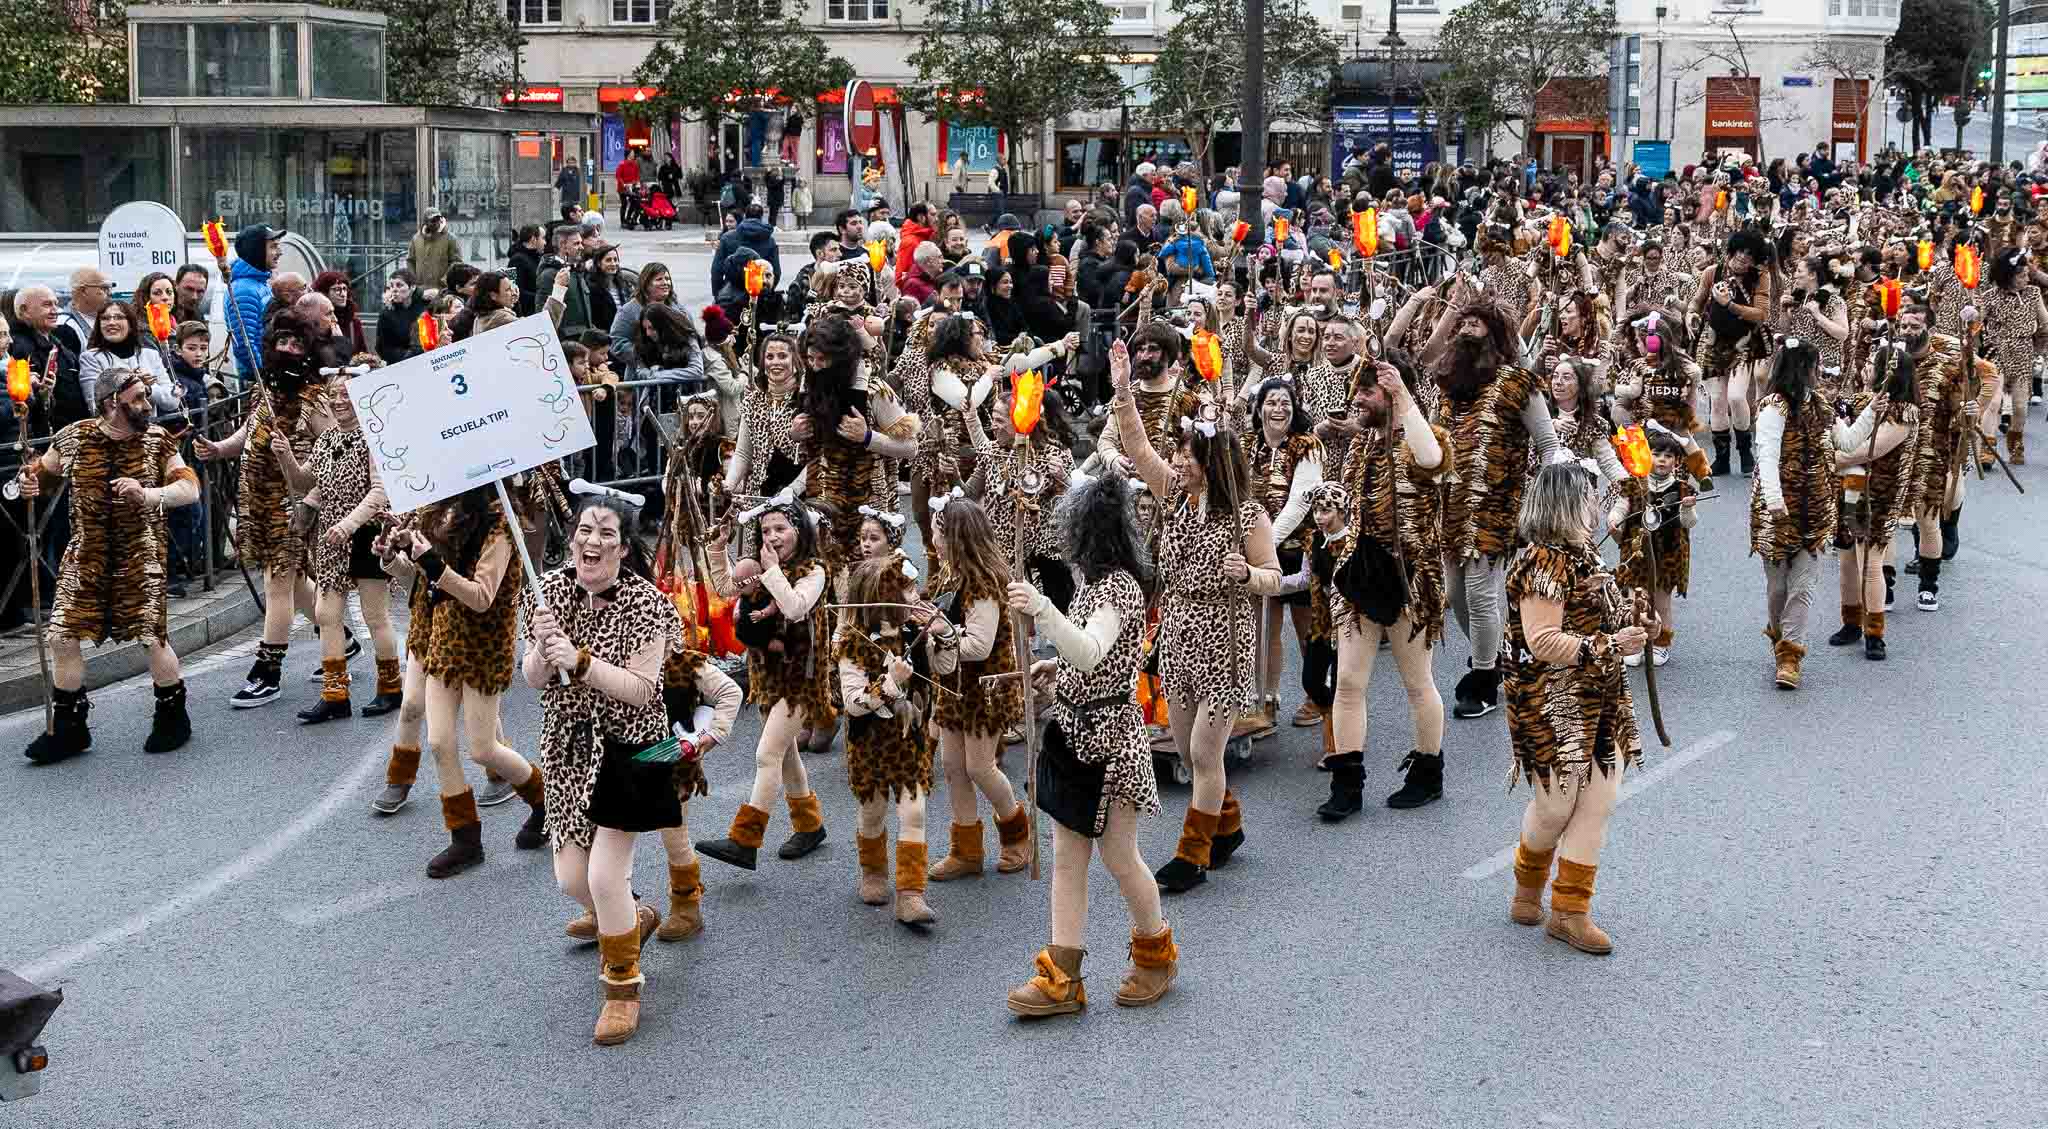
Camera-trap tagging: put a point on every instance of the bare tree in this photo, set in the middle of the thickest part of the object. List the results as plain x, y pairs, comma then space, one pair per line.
1864, 62
1728, 54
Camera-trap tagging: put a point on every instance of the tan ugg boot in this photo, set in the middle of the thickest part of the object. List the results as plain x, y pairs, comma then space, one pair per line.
1532, 872
874, 869
1153, 962
685, 904
1789, 656
404, 766
963, 854
1013, 834
1571, 895
582, 927
911, 908
619, 974
1056, 989
534, 790
1197, 832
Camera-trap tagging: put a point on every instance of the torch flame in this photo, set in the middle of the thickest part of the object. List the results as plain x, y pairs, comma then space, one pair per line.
1188, 201
1888, 294
1721, 201
1026, 401
1969, 268
1279, 229
1925, 255
1365, 232
430, 332
876, 249
1208, 351
1633, 449
216, 237
161, 324
756, 276
1977, 200
1238, 232
19, 382
1336, 260
1560, 236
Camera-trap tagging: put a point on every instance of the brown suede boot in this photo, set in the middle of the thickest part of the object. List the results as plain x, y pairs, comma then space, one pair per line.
1153, 961
685, 904
1229, 831
1571, 895
1013, 834
963, 855
1189, 866
619, 973
390, 689
874, 868
1532, 871
1057, 989
583, 927
465, 837
743, 842
911, 908
807, 827
1789, 656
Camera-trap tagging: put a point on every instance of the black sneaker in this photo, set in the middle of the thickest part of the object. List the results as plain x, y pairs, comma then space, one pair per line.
1873, 648
1846, 634
1929, 602
1179, 876
354, 648
495, 792
261, 690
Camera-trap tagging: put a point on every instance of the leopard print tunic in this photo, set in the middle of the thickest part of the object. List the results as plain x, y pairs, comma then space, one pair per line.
885, 756
342, 478
1562, 718
2011, 321
1162, 412
1667, 396
979, 711
804, 681
1806, 470
1943, 399
473, 650
1325, 390
636, 615
774, 454
1272, 477
1416, 501
1803, 323
263, 510
945, 427
1116, 734
679, 682
1206, 629
1890, 483
1327, 606
110, 586
1492, 448
1674, 540
1946, 292
1508, 285
999, 497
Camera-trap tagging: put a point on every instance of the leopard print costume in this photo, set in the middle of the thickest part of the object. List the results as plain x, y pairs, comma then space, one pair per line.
679, 684
979, 710
1563, 717
2012, 321
885, 756
1115, 734
110, 586
1324, 391
999, 497
1667, 397
1326, 604
1508, 284
637, 614
945, 432
1492, 448
804, 681
1674, 540
1806, 468
343, 478
1890, 482
471, 649
1943, 398
1272, 476
263, 509
1418, 498
1206, 628
1802, 323
1162, 413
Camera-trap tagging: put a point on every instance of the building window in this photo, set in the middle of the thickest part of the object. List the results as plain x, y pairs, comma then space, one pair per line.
639, 11
534, 11
856, 11
1130, 12
742, 11
1416, 5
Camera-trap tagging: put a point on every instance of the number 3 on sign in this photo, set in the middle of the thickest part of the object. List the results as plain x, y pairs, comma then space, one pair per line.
461, 384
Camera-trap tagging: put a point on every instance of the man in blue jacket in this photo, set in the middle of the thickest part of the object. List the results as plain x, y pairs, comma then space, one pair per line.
754, 232
249, 292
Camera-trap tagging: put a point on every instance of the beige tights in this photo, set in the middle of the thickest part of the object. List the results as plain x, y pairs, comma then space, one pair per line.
1571, 814
776, 762
1872, 559
909, 817
970, 764
332, 609
601, 878
1119, 844
1200, 733
285, 593
480, 726
1358, 644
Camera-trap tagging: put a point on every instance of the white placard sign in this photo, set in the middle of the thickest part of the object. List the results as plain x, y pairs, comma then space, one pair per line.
137, 238
468, 413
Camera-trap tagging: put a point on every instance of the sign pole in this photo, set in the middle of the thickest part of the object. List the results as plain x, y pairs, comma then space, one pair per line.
525, 558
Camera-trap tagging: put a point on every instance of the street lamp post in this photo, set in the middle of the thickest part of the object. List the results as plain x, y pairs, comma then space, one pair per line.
1251, 164
1998, 65
1393, 43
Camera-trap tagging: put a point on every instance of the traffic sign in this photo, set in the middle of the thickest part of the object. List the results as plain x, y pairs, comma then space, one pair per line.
863, 128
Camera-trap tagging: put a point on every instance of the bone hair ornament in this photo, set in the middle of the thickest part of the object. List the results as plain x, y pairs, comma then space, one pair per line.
586, 487
892, 527
345, 370
1205, 426
939, 502
784, 503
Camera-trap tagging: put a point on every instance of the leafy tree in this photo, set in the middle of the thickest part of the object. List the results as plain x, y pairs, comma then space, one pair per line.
1197, 83
55, 51
443, 52
1506, 51
1014, 64
1938, 60
730, 56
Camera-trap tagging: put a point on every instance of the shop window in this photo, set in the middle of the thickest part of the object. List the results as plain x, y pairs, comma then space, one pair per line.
639, 11
69, 179
856, 11
534, 11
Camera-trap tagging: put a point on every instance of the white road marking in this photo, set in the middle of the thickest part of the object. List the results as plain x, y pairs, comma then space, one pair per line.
343, 790
1630, 786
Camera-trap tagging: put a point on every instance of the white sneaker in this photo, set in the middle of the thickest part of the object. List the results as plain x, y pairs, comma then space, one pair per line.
1929, 602
1660, 655
1632, 661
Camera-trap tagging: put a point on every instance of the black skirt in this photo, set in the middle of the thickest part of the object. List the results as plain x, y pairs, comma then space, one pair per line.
362, 560
1070, 791
634, 795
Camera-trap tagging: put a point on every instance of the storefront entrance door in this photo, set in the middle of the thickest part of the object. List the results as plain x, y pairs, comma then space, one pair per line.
1569, 153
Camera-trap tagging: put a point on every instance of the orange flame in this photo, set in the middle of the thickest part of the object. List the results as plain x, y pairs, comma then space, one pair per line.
1365, 232
1208, 351
1336, 260
161, 324
19, 383
876, 250
1888, 293
1969, 268
1026, 401
1926, 254
1279, 229
1560, 236
1977, 200
216, 237
756, 276
1633, 449
1721, 201
430, 332
1188, 201
1238, 232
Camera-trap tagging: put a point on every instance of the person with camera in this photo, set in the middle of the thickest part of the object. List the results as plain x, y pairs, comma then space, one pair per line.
1812, 309
1734, 298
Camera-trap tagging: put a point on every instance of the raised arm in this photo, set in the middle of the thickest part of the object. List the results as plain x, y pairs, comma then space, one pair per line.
1145, 462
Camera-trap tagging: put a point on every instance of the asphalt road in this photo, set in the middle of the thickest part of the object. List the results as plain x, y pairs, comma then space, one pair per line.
1826, 907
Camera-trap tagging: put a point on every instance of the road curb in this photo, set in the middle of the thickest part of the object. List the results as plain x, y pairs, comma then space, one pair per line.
106, 665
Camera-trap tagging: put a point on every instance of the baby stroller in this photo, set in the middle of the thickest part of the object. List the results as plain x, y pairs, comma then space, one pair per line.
633, 206
658, 210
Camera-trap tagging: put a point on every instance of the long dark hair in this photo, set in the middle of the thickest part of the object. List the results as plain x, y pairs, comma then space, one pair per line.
674, 340
1098, 525
1225, 473
126, 348
1893, 375
1298, 424
485, 301
829, 393
954, 338
1793, 368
